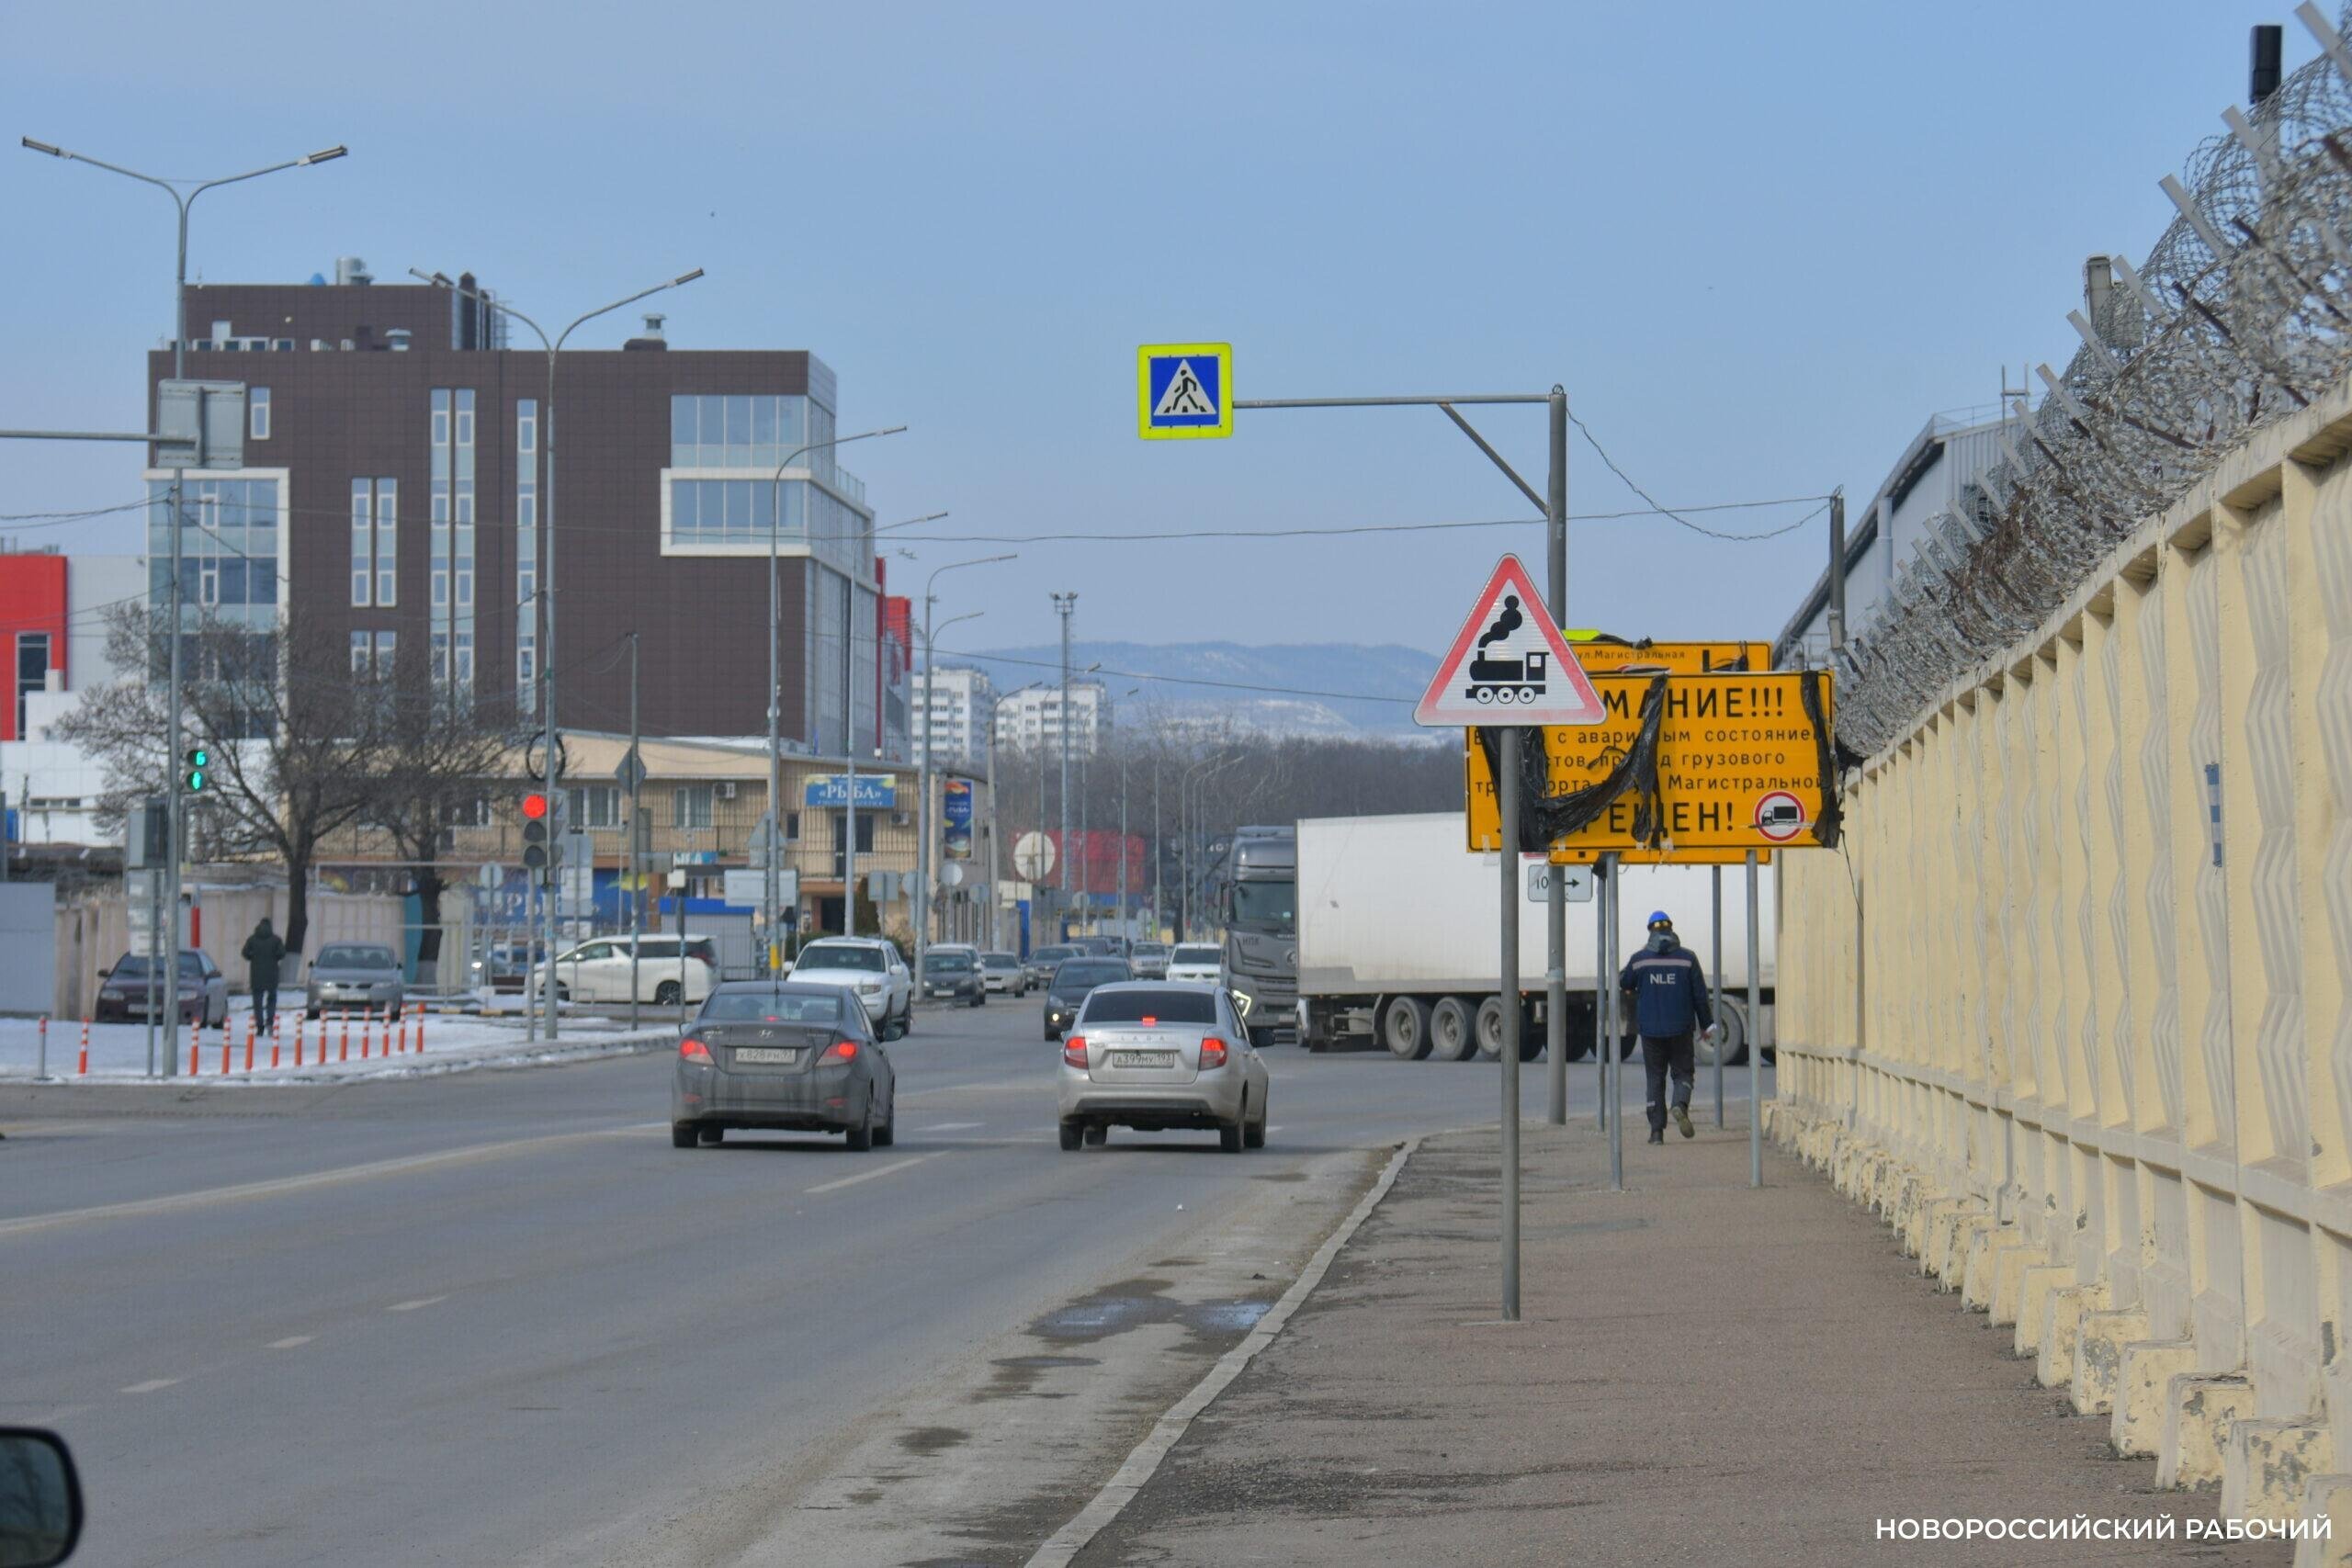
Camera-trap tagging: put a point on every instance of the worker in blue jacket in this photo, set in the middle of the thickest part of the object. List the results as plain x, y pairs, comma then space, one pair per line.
1668, 992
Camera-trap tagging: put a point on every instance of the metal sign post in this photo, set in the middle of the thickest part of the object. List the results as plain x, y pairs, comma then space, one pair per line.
1755, 1036
1601, 990
1616, 1079
1509, 992
1718, 971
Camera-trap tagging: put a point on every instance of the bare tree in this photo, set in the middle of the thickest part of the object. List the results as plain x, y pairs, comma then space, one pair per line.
438, 749
273, 707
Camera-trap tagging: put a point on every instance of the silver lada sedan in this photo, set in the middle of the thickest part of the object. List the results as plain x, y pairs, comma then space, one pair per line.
762, 1054
1151, 1055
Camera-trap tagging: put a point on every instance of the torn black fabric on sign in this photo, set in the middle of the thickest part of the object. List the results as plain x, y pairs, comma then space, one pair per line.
1832, 818
1544, 817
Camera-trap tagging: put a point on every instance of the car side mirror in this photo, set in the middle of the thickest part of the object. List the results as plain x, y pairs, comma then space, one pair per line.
40, 1499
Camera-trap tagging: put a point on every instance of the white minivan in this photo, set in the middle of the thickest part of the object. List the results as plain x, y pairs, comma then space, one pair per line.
598, 970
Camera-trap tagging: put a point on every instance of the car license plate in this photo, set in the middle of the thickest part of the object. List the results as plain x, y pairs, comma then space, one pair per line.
1143, 1058
766, 1054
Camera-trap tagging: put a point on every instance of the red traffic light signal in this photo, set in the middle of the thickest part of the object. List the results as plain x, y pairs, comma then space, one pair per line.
535, 807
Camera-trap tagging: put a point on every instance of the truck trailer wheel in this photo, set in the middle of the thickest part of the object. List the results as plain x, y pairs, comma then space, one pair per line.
1490, 1029
1453, 1030
1405, 1025
1734, 1047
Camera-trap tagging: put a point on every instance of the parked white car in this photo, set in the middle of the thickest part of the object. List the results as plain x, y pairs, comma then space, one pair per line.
598, 971
868, 966
1196, 962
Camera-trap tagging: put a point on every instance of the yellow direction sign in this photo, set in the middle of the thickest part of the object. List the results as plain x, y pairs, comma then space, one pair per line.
1726, 761
1183, 390
1599, 654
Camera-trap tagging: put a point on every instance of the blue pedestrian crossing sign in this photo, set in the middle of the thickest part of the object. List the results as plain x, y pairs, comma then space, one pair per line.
1183, 390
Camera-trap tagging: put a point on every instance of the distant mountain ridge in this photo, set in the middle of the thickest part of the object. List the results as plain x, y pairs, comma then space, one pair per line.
1315, 688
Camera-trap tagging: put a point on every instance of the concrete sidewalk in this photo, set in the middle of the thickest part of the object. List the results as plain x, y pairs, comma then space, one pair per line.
1704, 1375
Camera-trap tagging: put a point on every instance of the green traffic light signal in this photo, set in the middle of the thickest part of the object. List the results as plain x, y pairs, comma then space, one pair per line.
199, 766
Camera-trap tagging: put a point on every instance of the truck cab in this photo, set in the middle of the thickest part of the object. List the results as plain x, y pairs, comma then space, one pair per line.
1260, 905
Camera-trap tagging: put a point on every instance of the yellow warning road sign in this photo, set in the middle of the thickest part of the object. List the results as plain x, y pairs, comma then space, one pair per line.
1600, 654
1737, 763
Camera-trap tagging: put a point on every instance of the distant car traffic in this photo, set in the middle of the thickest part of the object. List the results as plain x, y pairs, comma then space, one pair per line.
1150, 960
600, 971
1043, 960
953, 976
506, 966
1202, 962
1067, 990
1154, 1056
783, 1055
127, 991
355, 977
1003, 972
872, 969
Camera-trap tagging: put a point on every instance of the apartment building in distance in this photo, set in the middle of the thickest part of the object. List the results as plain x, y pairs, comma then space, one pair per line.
397, 486
1033, 717
952, 711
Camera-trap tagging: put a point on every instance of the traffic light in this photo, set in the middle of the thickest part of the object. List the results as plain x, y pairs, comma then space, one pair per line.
199, 772
534, 834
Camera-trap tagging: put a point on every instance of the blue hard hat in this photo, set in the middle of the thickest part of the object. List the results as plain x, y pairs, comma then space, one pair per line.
1660, 917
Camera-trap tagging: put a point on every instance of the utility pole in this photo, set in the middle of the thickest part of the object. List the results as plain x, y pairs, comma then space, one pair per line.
1555, 904
1064, 604
1837, 569
849, 760
635, 860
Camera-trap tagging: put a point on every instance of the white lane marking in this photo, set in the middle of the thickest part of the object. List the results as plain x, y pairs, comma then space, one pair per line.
1273, 1130
420, 1302
176, 1202
290, 1341
151, 1385
870, 1175
951, 1126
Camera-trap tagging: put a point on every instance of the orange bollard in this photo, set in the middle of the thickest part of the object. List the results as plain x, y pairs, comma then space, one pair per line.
420, 1034
249, 1040
403, 1035
273, 1044
43, 1057
84, 1069
298, 1039
194, 1045
367, 1034
343, 1052
224, 1044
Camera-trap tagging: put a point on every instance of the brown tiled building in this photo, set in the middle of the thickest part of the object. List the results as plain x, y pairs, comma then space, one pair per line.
397, 484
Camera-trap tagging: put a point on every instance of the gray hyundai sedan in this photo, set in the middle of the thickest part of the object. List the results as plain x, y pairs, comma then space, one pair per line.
768, 1055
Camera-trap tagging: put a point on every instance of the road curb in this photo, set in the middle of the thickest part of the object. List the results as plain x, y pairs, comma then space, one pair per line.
1144, 1460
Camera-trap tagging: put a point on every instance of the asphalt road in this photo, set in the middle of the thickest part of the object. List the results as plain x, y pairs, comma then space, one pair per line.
494, 1317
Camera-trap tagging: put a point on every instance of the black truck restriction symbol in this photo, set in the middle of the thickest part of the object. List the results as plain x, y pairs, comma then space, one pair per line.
1506, 680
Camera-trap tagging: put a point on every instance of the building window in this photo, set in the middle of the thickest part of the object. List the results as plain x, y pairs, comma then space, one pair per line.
375, 543
792, 827
257, 413
864, 832
371, 653
32, 671
691, 806
527, 549
737, 511
595, 807
742, 431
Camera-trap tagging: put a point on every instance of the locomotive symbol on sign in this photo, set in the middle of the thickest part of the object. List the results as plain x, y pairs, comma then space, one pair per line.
1506, 680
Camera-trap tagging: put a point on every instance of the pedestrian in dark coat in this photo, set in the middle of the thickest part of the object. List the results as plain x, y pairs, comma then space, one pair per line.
263, 951
1668, 992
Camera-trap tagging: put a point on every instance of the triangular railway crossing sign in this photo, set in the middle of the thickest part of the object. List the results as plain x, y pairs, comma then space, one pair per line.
1509, 665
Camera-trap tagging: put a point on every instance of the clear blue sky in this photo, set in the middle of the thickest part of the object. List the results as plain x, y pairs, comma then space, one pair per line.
1759, 243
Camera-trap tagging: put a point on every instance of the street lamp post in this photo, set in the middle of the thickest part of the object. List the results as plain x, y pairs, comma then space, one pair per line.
546, 594
177, 835
922, 756
771, 879
1125, 923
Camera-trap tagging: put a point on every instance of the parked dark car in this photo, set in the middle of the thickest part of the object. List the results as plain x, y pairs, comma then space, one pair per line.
953, 976
1072, 983
782, 1056
128, 991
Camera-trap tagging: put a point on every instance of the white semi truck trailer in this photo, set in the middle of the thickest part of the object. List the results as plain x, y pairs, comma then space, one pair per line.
1400, 936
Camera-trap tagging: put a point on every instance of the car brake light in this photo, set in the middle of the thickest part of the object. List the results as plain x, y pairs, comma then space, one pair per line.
1148, 1020
692, 1050
1074, 1050
1212, 1052
841, 1051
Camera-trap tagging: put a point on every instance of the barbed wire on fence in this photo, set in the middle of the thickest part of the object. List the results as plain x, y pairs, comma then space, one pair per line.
2240, 315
